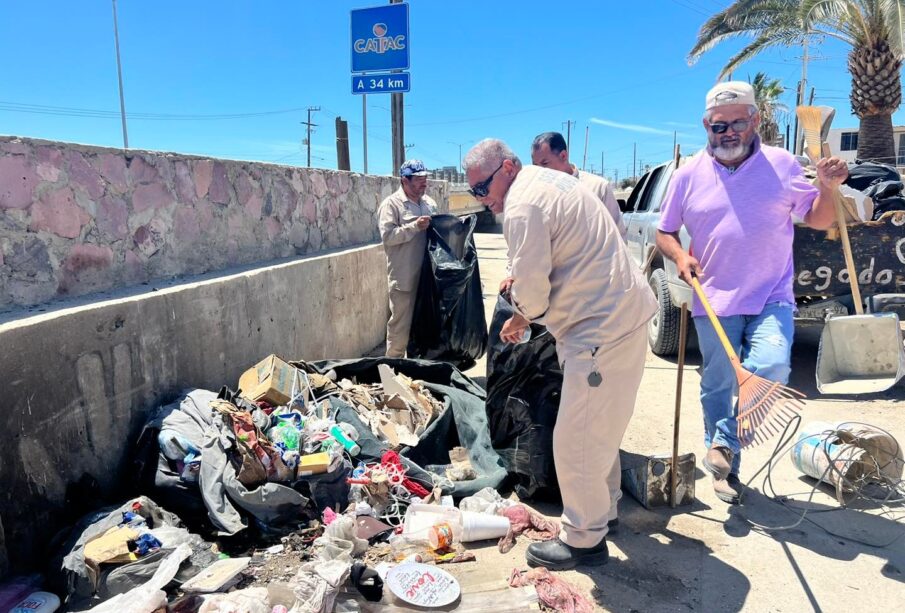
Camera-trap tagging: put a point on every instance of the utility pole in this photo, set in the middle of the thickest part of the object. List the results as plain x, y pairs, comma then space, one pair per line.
602, 167
342, 145
568, 124
311, 109
799, 136
364, 128
584, 161
397, 119
119, 74
634, 157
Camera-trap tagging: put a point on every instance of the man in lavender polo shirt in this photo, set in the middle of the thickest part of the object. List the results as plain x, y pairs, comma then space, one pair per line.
737, 200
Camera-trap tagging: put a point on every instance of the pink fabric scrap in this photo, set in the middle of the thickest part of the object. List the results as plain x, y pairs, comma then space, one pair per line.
554, 592
523, 520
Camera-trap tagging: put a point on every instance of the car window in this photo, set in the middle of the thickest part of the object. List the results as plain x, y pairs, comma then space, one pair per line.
657, 195
636, 194
651, 189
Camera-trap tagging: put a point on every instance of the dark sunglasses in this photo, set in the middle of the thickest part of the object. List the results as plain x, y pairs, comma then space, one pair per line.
738, 126
479, 190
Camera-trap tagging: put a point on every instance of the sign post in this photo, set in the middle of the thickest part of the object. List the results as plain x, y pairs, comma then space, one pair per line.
380, 57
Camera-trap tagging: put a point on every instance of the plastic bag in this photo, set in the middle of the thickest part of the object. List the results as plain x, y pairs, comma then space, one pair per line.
524, 383
881, 182
448, 322
149, 597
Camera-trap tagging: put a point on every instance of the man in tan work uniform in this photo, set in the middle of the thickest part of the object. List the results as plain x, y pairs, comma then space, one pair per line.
403, 218
549, 150
572, 273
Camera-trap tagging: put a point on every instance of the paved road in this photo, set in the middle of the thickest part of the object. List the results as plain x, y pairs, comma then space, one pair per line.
710, 557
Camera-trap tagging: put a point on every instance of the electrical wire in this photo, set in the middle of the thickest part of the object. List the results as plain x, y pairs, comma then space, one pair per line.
857, 490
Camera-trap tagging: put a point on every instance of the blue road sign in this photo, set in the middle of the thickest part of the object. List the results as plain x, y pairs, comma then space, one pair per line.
381, 83
380, 38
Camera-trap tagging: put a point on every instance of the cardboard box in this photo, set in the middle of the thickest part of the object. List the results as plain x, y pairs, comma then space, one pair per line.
271, 380
313, 464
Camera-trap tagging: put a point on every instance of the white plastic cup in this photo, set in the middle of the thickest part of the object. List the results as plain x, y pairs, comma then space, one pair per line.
420, 518
483, 526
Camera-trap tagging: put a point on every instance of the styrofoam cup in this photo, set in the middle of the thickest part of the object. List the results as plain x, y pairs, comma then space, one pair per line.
482, 526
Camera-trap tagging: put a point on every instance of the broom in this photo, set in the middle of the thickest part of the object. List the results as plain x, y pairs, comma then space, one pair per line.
764, 407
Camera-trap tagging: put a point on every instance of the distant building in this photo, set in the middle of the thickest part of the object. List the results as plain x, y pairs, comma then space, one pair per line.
844, 143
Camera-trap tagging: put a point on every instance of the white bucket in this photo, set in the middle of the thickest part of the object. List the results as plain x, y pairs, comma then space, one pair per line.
482, 526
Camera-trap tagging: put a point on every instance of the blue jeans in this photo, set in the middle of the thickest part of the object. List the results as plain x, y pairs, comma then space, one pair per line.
764, 345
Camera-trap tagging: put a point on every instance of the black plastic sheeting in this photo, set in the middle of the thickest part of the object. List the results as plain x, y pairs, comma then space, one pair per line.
881, 182
448, 321
463, 423
524, 384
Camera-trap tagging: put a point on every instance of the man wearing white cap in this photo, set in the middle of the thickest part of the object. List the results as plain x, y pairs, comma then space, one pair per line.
403, 218
571, 271
737, 199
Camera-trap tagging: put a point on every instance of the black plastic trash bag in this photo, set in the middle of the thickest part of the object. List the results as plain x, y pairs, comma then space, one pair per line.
81, 583
881, 182
448, 321
524, 384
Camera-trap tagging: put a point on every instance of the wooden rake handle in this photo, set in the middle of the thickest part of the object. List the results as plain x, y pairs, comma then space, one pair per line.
846, 246
714, 320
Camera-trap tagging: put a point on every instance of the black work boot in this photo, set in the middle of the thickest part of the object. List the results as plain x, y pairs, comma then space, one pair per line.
556, 555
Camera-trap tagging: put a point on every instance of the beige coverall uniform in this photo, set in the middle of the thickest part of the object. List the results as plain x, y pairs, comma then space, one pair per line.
602, 188
404, 245
572, 273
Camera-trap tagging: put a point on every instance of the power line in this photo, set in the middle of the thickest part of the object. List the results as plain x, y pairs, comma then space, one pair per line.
40, 109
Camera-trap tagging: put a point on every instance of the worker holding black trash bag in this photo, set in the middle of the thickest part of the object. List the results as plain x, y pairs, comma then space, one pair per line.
403, 219
571, 272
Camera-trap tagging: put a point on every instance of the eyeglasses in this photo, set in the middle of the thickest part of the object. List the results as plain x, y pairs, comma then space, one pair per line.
479, 190
738, 126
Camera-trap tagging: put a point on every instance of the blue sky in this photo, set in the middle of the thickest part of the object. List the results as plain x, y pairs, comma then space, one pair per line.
502, 69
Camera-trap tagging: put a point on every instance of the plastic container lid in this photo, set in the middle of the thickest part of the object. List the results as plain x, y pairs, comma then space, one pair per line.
422, 585
37, 602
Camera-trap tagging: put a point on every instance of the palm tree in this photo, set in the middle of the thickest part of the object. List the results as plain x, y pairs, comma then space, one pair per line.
767, 93
875, 30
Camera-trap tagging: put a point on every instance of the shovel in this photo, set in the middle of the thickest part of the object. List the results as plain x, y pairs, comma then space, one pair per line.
861, 353
858, 354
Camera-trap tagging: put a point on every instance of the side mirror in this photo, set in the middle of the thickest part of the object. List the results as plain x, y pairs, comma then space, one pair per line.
623, 205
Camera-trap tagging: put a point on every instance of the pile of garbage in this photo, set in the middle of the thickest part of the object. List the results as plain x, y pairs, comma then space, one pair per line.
308, 486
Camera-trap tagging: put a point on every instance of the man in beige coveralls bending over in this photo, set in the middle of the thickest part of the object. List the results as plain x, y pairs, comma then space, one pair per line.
403, 218
571, 272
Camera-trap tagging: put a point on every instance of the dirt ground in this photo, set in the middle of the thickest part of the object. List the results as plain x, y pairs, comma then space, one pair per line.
713, 557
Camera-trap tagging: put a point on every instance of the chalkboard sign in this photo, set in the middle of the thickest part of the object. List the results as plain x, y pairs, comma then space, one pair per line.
878, 249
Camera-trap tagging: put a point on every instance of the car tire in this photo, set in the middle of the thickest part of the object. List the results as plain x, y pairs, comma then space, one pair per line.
663, 328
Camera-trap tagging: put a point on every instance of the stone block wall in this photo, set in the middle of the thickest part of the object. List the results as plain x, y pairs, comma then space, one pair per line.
77, 219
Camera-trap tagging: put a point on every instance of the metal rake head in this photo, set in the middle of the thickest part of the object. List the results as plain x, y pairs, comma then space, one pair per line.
765, 408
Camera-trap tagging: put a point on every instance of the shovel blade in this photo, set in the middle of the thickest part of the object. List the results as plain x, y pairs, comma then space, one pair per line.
860, 354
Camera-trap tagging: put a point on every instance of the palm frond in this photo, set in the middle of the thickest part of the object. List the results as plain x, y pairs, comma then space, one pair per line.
744, 18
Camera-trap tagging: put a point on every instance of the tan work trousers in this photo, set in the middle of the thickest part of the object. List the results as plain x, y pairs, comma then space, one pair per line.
589, 430
402, 304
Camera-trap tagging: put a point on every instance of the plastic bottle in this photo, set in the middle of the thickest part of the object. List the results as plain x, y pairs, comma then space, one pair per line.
348, 444
37, 602
526, 336
285, 432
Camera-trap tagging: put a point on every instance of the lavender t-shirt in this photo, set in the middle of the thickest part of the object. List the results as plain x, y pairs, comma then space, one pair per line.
740, 225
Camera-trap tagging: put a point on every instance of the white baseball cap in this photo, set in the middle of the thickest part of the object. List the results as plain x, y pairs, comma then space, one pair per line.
730, 92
